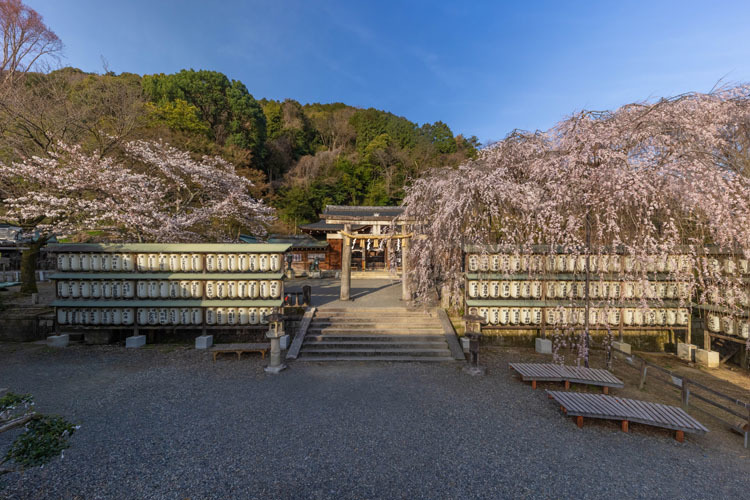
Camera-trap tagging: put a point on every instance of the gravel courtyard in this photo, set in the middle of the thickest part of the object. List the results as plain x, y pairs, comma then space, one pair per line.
166, 422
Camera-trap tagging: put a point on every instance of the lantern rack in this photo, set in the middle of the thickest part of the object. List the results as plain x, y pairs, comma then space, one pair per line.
167, 286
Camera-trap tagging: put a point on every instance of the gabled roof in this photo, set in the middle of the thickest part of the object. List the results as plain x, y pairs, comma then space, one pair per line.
322, 225
298, 241
365, 212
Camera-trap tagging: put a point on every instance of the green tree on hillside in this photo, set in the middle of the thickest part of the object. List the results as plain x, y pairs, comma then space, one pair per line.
233, 115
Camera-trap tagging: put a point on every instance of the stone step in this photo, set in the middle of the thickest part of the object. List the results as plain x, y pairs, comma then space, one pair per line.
375, 321
363, 344
373, 331
374, 338
371, 310
371, 317
389, 339
378, 317
380, 351
328, 359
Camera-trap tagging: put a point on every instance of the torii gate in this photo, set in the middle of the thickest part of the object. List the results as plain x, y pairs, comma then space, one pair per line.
346, 258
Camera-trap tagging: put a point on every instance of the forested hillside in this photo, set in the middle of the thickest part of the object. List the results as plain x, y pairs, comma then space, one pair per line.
300, 157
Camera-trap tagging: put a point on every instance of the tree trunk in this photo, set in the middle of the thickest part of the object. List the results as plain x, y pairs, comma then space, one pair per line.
29, 259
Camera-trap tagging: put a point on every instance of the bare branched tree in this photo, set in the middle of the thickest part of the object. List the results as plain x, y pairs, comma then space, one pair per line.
27, 41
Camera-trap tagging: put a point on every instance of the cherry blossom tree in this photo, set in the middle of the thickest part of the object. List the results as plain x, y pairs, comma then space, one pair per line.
649, 179
153, 193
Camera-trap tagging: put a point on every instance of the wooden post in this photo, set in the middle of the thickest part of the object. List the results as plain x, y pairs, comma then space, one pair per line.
685, 394
706, 340
689, 333
364, 254
346, 263
405, 290
644, 369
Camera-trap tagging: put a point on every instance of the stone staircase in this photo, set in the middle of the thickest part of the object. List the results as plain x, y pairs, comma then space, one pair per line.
375, 334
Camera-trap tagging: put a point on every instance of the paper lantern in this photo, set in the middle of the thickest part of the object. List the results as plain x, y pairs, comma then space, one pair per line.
264, 262
196, 262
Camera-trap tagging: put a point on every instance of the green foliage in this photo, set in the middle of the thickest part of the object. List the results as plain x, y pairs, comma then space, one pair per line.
11, 401
301, 157
298, 207
178, 115
441, 136
233, 115
370, 123
45, 437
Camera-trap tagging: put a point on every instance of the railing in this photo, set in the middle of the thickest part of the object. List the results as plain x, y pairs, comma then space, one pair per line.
688, 388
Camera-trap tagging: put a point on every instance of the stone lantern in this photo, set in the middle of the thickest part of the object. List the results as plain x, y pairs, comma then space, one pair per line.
275, 332
474, 333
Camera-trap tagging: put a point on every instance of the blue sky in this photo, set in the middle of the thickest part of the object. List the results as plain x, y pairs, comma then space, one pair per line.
484, 68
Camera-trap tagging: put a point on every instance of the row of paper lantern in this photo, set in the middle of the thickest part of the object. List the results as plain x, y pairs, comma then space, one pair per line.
730, 296
576, 263
726, 324
172, 262
169, 289
164, 316
577, 289
577, 316
598, 263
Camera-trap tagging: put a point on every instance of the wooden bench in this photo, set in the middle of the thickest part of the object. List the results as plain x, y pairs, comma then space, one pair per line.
550, 372
239, 349
579, 405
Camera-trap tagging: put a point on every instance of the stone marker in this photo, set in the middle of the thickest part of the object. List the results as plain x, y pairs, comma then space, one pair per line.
709, 359
135, 341
621, 346
686, 352
465, 344
204, 341
543, 346
58, 340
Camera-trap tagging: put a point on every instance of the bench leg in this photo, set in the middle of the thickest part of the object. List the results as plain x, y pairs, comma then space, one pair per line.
624, 426
605, 389
533, 384
239, 355
579, 422
262, 354
215, 354
567, 385
680, 436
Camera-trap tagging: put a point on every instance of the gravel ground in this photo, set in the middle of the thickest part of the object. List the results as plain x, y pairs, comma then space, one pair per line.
166, 422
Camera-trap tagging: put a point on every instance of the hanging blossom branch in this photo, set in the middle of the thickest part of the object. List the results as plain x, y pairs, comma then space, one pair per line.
155, 193
652, 180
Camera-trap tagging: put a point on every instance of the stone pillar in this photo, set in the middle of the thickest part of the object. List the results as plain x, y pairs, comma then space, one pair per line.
346, 263
405, 289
